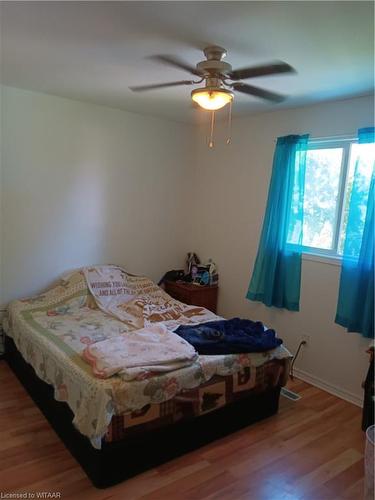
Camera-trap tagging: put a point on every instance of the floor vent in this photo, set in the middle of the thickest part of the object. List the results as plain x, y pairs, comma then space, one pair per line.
290, 394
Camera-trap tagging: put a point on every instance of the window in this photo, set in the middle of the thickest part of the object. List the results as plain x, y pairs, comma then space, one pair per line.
328, 181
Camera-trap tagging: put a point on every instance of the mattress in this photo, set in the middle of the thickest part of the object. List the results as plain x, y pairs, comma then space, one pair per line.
51, 330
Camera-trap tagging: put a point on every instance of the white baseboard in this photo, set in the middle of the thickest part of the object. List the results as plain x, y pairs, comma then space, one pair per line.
326, 386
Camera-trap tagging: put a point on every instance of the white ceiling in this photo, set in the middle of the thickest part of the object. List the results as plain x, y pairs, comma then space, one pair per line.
93, 51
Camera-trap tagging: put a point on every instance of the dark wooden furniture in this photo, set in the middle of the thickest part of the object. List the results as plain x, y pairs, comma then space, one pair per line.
197, 295
368, 386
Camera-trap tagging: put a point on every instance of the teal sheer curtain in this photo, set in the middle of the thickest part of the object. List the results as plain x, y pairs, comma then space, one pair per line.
355, 307
276, 277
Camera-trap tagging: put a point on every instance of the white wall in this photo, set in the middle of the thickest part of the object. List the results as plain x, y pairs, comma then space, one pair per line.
230, 197
84, 184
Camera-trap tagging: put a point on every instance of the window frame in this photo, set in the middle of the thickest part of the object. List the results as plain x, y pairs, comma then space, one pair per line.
344, 143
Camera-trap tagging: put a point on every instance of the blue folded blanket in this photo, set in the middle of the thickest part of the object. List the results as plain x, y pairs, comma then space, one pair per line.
232, 336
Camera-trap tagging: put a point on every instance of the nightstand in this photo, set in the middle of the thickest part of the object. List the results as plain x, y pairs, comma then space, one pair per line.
197, 295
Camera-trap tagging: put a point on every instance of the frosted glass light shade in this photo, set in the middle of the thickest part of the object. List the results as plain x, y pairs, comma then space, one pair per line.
211, 99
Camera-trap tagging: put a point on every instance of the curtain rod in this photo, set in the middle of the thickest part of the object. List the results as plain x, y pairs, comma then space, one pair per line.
346, 137
332, 138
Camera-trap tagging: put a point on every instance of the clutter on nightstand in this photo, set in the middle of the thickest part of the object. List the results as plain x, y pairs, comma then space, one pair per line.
201, 274
197, 284
195, 272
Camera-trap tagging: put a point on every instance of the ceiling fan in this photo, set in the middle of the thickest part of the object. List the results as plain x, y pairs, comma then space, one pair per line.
219, 79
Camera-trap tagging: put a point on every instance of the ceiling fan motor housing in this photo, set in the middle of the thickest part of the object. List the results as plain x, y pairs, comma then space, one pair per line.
212, 68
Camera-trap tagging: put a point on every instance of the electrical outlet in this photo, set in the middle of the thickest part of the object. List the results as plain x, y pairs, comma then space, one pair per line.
305, 338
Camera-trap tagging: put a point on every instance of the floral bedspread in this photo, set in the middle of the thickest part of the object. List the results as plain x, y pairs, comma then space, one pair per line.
52, 329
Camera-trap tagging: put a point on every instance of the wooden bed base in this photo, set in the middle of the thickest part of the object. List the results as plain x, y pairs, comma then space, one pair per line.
120, 460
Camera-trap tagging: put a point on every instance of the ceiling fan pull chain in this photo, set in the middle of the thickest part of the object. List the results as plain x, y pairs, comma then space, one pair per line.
229, 138
211, 140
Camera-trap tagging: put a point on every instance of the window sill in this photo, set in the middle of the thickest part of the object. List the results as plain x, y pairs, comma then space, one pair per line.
324, 259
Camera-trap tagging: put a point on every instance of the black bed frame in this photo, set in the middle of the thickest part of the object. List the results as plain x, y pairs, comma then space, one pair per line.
120, 460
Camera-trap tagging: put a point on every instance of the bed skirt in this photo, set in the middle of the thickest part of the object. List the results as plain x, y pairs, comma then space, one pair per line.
119, 460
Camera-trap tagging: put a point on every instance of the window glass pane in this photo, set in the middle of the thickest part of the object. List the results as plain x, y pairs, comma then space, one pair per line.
360, 162
322, 180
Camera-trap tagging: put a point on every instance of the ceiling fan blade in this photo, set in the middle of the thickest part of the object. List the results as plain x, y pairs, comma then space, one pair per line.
266, 69
176, 63
258, 92
142, 88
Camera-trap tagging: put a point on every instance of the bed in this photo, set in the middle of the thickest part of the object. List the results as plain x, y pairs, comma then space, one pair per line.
114, 427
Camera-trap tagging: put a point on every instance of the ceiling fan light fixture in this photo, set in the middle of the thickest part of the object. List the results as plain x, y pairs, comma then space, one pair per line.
212, 98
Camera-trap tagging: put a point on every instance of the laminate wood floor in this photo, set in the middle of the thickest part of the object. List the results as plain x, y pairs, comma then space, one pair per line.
311, 450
